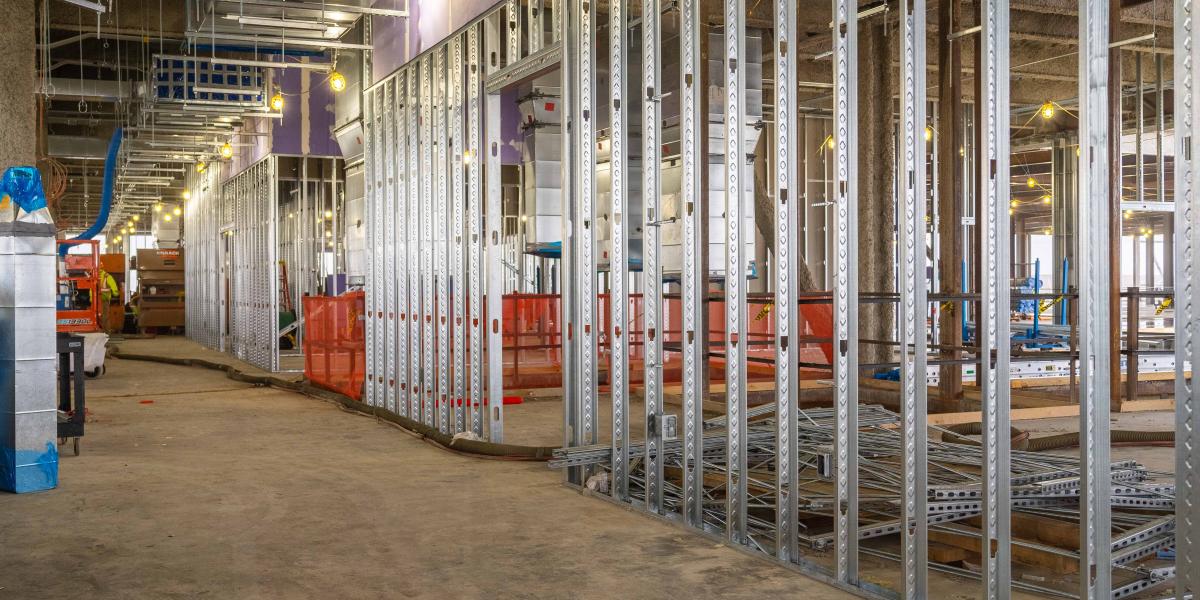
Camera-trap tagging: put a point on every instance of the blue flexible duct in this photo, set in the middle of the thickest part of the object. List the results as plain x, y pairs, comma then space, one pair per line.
110, 165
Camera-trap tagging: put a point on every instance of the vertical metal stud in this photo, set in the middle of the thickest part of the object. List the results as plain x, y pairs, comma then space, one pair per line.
1187, 283
994, 338
568, 20
618, 264
584, 269
402, 306
787, 317
1093, 247
388, 137
457, 239
371, 147
415, 249
427, 219
735, 272
441, 226
845, 285
913, 306
474, 230
495, 249
692, 293
651, 267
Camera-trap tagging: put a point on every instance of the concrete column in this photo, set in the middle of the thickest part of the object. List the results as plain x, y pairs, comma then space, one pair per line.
876, 163
18, 56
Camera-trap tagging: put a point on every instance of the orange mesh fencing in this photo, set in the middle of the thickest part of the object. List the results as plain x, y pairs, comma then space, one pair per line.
334, 348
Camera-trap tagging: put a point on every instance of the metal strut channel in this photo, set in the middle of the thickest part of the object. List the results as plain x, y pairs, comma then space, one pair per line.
692, 196
1187, 313
735, 272
845, 285
651, 266
1092, 251
618, 263
994, 305
568, 314
787, 215
913, 307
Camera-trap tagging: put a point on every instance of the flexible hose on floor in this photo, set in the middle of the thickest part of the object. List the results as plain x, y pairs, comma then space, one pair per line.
461, 446
1022, 441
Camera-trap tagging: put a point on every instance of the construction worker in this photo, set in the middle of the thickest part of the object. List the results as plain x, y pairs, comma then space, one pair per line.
108, 291
108, 287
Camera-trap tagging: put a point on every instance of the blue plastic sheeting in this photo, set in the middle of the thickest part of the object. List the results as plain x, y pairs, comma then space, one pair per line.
24, 186
24, 471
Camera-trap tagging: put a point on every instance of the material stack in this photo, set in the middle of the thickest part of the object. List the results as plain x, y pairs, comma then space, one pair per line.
160, 300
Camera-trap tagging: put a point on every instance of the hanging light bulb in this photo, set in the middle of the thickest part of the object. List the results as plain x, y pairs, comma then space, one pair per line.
277, 102
158, 207
137, 218
201, 166
337, 81
829, 142
1129, 214
178, 211
187, 194
1049, 230
1031, 182
167, 218
928, 133
1047, 110
328, 234
1011, 211
329, 214
1046, 199
1013, 203
226, 150
466, 157
124, 230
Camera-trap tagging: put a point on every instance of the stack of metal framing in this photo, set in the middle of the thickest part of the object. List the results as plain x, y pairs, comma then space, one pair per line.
425, 132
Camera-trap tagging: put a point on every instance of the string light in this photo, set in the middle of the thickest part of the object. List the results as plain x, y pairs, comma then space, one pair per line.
1031, 182
829, 142
177, 211
137, 218
158, 207
329, 214
201, 166
337, 81
187, 194
1046, 199
277, 102
1014, 204
928, 133
1047, 110
226, 150
167, 218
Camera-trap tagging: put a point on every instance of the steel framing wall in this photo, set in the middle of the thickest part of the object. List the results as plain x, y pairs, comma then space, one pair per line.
433, 181
239, 232
429, 196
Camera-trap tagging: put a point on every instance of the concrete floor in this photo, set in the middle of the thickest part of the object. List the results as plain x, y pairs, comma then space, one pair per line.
192, 485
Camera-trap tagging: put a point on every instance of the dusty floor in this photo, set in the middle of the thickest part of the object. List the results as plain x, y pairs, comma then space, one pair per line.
192, 485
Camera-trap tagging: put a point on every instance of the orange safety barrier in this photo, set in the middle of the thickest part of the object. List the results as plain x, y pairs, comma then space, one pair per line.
532, 340
334, 355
